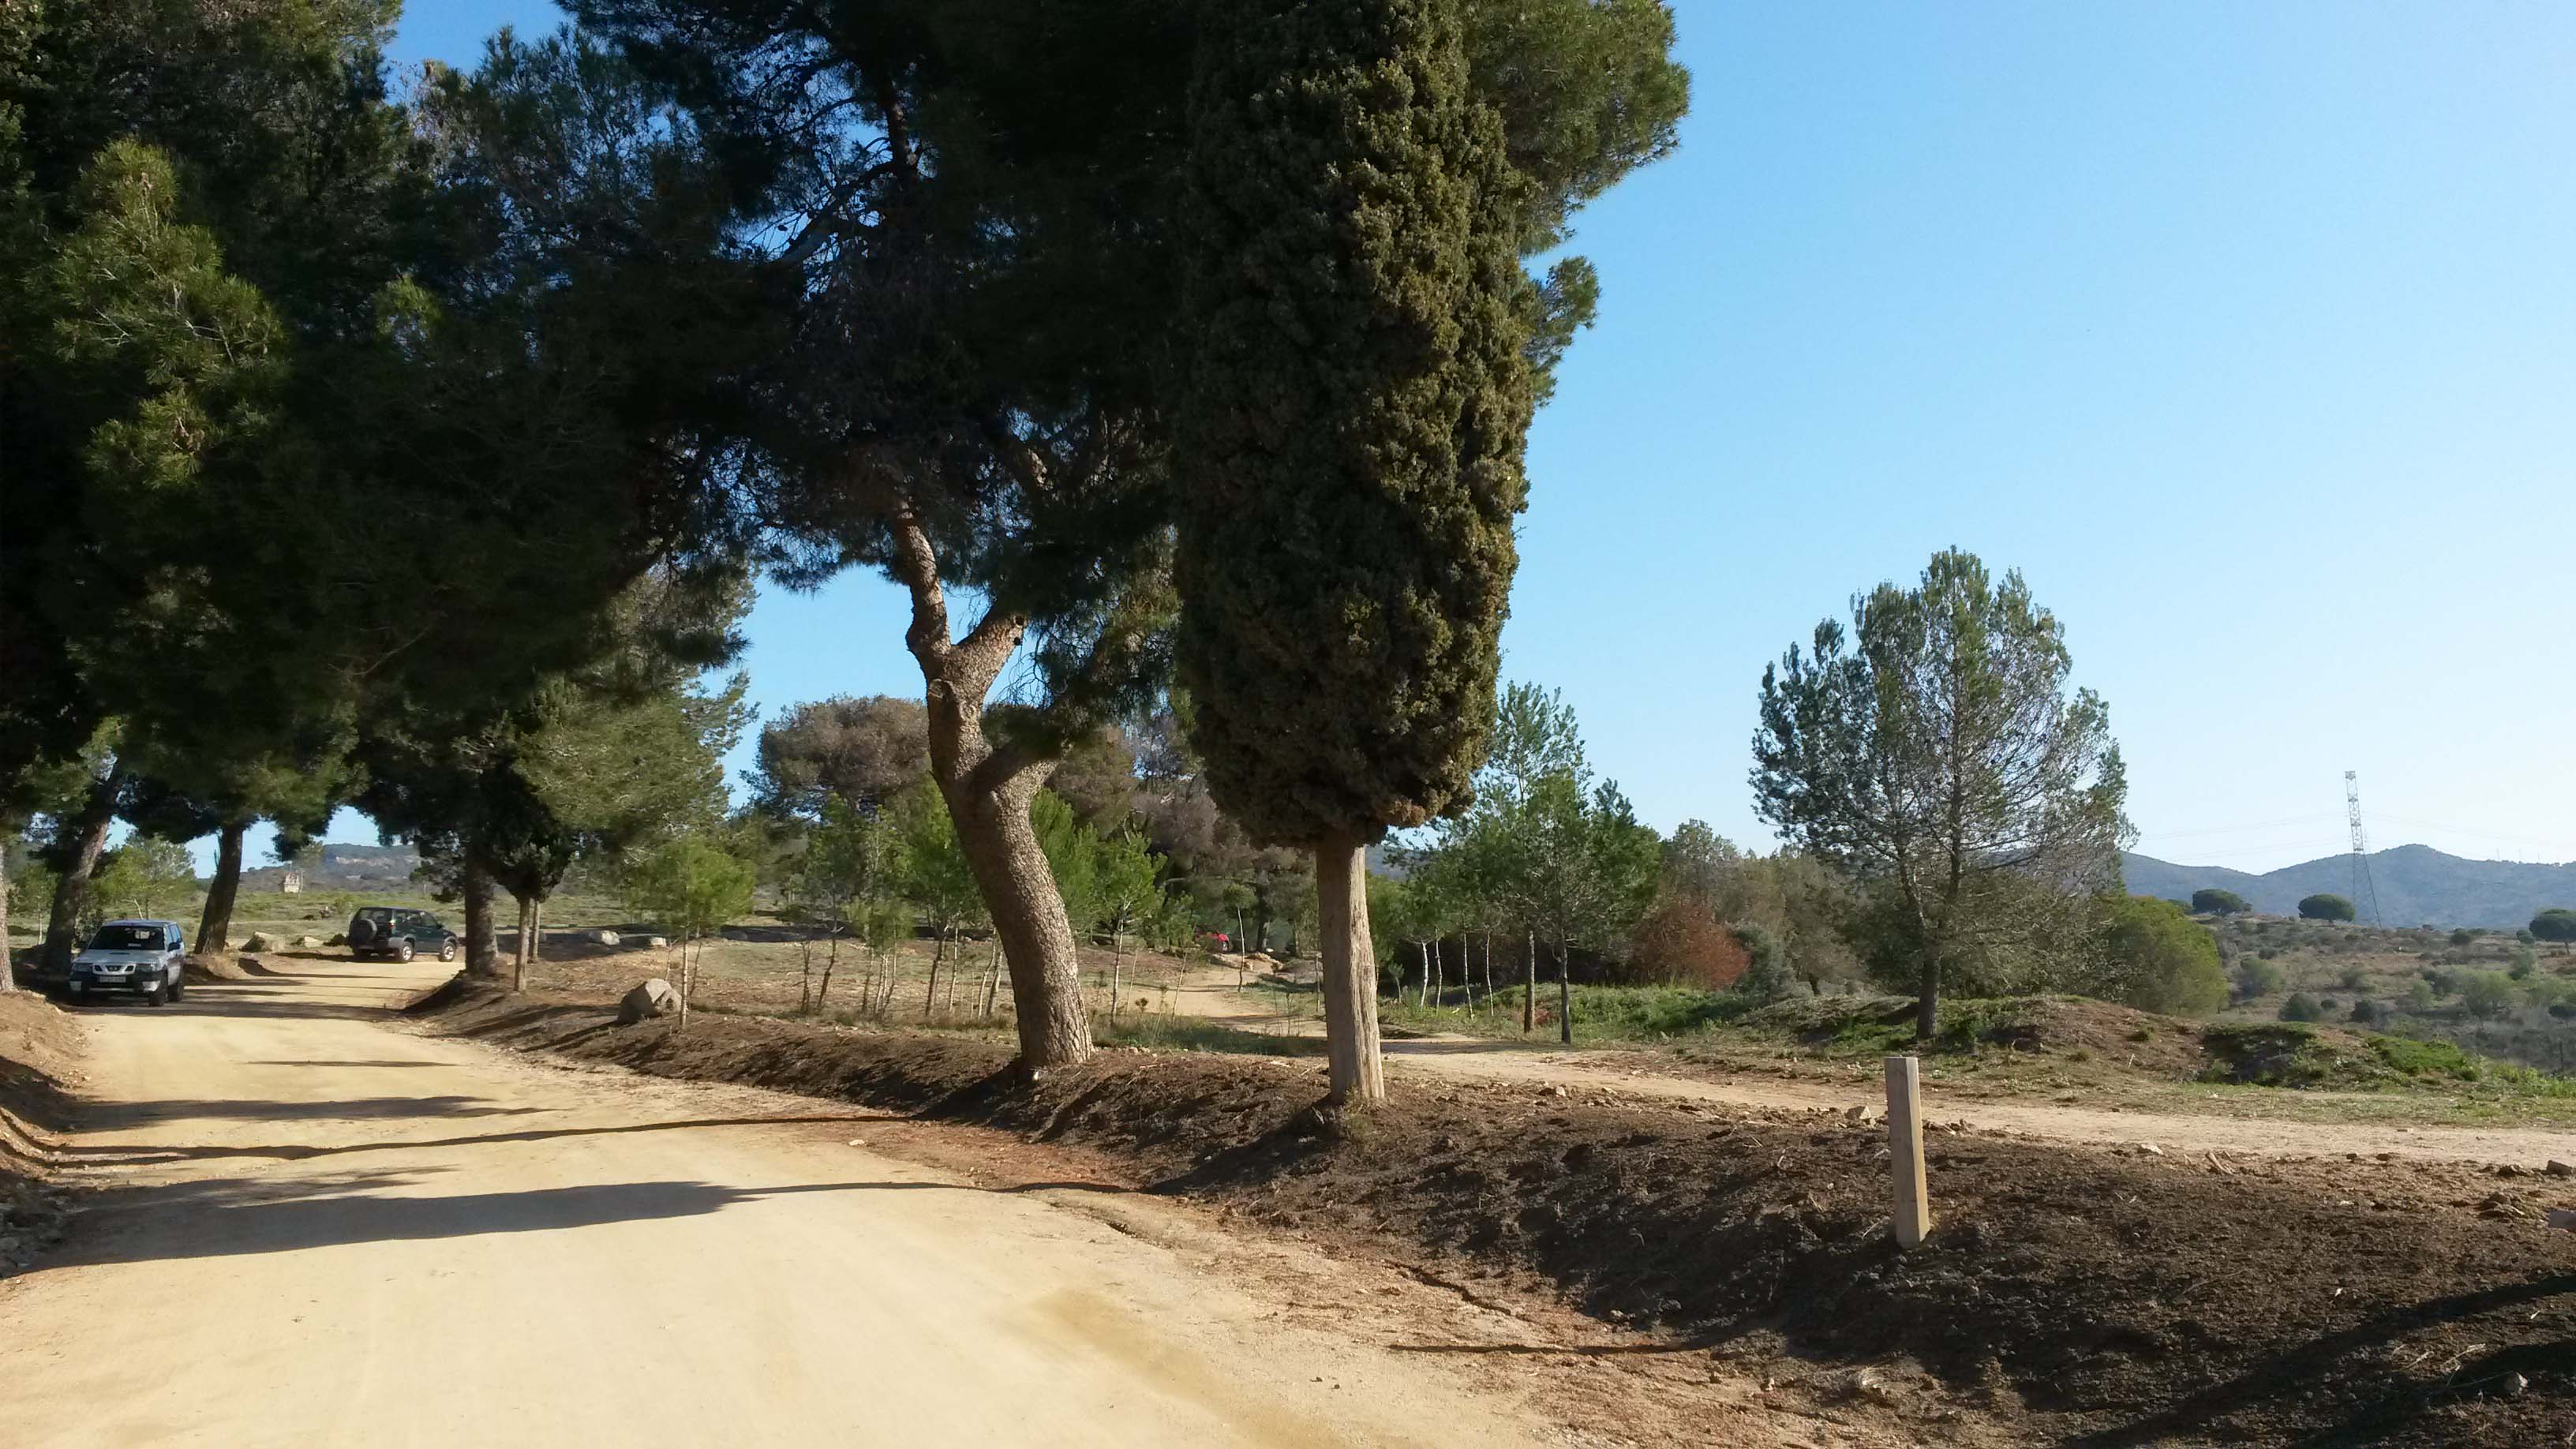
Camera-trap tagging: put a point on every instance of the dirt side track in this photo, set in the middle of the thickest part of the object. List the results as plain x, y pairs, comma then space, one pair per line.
2068, 1295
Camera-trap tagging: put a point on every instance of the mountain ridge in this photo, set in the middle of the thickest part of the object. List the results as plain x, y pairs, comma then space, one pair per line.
2416, 885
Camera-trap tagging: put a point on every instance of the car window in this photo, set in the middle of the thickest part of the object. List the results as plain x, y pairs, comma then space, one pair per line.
126, 938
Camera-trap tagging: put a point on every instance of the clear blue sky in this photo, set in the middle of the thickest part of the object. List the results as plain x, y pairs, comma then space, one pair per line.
2248, 333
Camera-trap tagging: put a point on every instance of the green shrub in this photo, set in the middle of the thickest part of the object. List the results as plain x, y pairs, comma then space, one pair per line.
2257, 977
2419, 1058
2218, 903
2325, 907
2487, 994
2354, 978
2301, 1007
2160, 959
2555, 924
2463, 936
2366, 1011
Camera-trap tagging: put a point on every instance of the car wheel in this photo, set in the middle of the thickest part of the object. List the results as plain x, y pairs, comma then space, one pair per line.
157, 995
402, 951
177, 988
447, 949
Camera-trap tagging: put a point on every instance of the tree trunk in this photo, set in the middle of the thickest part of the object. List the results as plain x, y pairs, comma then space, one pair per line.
1423, 947
1350, 975
71, 893
1927, 1007
831, 960
1529, 985
519, 957
8, 958
537, 929
938, 951
482, 944
1489, 968
1440, 973
993, 978
1564, 996
215, 924
988, 790
1117, 969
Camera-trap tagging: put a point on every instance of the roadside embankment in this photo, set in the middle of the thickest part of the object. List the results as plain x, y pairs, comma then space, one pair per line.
2075, 1295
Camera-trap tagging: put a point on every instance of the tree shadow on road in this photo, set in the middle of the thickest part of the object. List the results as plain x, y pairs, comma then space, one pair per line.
239, 1217
296, 1151
120, 1116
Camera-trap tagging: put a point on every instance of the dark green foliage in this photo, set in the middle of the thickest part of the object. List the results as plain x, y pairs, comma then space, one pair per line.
2218, 902
1351, 445
2463, 936
2366, 1012
2323, 907
1766, 977
862, 751
2555, 924
2301, 1007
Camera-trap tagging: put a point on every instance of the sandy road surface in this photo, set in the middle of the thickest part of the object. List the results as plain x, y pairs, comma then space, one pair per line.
1212, 995
327, 1233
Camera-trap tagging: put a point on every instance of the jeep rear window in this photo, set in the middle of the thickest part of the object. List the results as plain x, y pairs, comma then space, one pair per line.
126, 938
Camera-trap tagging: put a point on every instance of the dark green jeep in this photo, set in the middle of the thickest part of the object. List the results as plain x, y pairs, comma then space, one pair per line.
400, 934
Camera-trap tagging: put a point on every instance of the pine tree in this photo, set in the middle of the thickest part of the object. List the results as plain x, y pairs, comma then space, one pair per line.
1351, 450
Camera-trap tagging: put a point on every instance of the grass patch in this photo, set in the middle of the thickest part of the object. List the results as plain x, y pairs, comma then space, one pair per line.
1191, 1034
1603, 1015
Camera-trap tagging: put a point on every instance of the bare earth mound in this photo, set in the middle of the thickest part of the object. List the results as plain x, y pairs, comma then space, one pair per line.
2069, 1295
40, 1049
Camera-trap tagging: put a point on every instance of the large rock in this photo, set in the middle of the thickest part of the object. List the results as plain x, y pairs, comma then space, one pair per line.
306, 943
604, 938
262, 941
657, 943
652, 997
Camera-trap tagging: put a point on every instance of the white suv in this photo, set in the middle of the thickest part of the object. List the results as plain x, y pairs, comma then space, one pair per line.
138, 956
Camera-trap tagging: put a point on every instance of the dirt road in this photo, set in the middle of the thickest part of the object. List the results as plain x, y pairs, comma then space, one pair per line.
323, 1232
1212, 995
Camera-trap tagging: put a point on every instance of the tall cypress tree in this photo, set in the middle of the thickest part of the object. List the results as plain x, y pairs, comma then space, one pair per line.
1351, 448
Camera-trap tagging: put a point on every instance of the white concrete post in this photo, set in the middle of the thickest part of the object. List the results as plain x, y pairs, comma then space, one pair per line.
1905, 1149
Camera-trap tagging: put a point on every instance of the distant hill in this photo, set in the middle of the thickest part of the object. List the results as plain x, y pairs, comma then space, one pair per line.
2417, 885
352, 867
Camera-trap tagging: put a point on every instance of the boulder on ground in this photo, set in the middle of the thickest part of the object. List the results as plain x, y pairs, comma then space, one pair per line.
604, 937
307, 942
336, 940
650, 998
261, 941
657, 943
202, 968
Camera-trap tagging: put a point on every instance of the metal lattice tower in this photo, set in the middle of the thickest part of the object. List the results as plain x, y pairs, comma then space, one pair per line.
2365, 894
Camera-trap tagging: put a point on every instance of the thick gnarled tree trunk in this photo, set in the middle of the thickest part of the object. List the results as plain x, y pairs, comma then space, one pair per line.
988, 786
482, 945
1350, 974
215, 926
71, 894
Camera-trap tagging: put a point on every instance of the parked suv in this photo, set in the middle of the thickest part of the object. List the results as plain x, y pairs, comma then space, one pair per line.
137, 956
391, 931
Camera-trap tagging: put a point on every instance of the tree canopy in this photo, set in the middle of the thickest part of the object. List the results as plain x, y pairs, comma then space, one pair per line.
2325, 907
1933, 753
